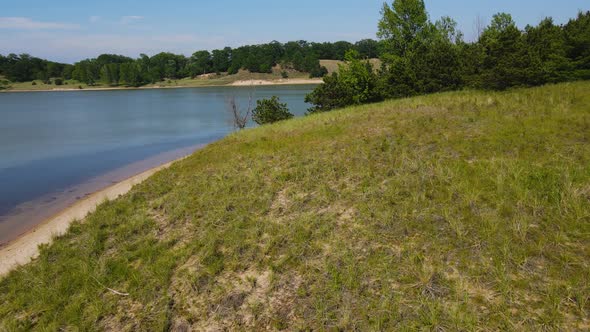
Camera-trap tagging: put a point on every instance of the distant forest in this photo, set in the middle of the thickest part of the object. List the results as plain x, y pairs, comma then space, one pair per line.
116, 70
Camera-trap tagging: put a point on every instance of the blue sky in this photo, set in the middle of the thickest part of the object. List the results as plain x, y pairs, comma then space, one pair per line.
66, 30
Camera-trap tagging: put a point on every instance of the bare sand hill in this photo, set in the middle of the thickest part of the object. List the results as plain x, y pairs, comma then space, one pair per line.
287, 81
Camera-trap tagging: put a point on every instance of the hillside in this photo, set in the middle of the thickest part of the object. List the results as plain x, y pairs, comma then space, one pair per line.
332, 65
454, 211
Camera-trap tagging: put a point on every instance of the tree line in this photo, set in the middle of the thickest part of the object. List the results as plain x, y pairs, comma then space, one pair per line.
22, 68
419, 56
116, 70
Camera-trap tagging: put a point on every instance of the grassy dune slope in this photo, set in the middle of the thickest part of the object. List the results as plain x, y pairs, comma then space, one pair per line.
465, 210
332, 65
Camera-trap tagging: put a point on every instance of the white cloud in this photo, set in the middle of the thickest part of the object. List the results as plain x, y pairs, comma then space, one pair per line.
94, 19
130, 19
25, 23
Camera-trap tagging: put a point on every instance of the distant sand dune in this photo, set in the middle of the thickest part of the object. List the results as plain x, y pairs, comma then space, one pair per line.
278, 82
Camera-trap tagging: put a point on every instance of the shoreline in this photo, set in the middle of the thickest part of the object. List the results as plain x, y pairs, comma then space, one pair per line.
25, 247
239, 83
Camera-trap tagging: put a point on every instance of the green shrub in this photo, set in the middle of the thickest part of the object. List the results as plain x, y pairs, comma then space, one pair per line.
354, 84
270, 111
34, 83
58, 81
318, 71
284, 74
4, 84
265, 68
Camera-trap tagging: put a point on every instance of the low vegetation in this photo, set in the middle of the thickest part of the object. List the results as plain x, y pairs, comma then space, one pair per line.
270, 111
453, 211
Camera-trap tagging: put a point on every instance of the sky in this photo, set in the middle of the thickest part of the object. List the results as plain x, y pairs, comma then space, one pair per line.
68, 31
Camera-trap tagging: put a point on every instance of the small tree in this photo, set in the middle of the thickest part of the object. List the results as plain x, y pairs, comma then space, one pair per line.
270, 111
239, 118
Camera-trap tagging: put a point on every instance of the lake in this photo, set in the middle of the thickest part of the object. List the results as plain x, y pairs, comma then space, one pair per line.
58, 147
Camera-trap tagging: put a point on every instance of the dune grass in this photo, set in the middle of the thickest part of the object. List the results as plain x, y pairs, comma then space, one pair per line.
332, 65
224, 79
40, 86
455, 211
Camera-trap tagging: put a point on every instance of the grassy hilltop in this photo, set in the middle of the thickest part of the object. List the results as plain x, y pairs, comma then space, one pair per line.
454, 211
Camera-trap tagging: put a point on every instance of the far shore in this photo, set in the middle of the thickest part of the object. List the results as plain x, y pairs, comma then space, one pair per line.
242, 83
26, 247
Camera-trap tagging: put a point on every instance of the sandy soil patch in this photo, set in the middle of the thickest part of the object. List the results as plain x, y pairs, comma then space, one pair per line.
278, 82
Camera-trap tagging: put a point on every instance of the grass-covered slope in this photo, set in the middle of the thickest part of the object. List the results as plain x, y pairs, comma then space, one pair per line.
456, 211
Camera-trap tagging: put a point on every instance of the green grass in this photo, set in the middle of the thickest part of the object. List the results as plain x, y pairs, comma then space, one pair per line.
455, 211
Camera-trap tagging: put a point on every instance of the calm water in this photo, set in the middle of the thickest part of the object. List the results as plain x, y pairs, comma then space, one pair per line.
51, 142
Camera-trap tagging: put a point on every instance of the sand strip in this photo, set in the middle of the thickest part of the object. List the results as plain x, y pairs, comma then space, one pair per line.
288, 81
25, 248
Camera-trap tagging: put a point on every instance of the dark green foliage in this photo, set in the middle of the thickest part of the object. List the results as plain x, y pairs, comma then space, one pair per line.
420, 57
130, 74
270, 111
577, 41
356, 83
200, 63
318, 71
367, 48
58, 81
221, 60
327, 96
22, 68
545, 45
328, 51
506, 58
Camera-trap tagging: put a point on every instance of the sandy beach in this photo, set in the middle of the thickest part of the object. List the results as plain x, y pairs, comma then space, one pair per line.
287, 81
24, 248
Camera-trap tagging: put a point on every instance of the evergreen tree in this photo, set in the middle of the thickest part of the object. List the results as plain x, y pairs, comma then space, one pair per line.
506, 56
270, 111
577, 40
